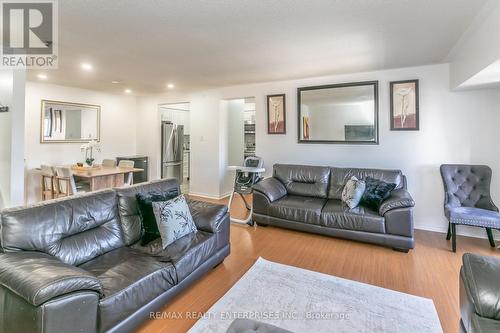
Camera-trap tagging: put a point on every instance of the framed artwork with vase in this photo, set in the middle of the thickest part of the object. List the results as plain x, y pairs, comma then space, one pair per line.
404, 105
276, 114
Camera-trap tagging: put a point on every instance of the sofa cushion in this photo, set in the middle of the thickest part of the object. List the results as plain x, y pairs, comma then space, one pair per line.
129, 210
482, 274
474, 216
297, 208
186, 253
74, 230
304, 180
130, 279
340, 176
335, 214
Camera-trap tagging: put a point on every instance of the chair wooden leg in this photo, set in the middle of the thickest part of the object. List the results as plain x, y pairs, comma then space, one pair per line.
453, 237
490, 237
448, 235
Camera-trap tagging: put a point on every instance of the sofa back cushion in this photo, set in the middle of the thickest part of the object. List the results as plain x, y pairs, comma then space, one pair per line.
75, 229
304, 180
340, 176
129, 209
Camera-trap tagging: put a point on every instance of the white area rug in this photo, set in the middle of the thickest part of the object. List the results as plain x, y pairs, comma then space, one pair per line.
301, 301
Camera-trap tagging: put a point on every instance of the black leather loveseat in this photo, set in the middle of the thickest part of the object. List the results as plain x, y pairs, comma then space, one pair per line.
75, 264
307, 198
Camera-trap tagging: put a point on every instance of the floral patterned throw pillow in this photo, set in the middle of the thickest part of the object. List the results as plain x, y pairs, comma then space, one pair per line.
353, 192
174, 219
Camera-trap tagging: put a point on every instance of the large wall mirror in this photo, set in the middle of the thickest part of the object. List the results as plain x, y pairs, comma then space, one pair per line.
69, 122
338, 113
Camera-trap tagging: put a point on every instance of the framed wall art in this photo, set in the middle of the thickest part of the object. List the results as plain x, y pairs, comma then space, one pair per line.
404, 105
276, 114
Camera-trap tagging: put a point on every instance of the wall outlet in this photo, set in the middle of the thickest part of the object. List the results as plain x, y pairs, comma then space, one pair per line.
4, 109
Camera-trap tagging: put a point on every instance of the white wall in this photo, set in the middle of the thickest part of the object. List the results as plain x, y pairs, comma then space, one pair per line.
232, 141
478, 48
456, 127
17, 173
6, 82
118, 127
236, 131
12, 138
204, 137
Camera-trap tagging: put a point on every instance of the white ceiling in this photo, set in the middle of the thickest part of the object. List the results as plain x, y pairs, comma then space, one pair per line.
199, 43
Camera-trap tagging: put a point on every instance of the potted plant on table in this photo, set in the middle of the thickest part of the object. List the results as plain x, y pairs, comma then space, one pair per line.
89, 148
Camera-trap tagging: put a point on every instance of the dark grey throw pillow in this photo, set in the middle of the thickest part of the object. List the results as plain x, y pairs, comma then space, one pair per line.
174, 219
376, 192
144, 202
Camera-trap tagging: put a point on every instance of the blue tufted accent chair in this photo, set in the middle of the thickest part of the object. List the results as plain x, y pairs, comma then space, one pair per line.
467, 199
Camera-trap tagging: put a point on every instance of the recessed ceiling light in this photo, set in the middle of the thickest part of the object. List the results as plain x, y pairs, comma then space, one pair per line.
115, 82
127, 91
170, 86
86, 66
42, 76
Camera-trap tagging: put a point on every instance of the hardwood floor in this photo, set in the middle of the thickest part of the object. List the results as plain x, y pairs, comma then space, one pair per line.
430, 270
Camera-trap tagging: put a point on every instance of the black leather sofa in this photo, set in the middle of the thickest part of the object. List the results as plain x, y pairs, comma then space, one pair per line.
307, 198
479, 294
76, 264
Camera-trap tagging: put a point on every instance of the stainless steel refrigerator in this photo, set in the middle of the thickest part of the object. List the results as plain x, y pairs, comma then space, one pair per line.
172, 150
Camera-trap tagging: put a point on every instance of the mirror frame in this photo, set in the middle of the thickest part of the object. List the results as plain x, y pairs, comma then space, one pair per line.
340, 85
42, 110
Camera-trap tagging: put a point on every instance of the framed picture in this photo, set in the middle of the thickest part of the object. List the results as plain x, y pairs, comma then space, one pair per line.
404, 105
276, 114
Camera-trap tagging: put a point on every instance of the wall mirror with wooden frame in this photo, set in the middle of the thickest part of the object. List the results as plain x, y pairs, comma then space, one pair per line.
69, 122
344, 113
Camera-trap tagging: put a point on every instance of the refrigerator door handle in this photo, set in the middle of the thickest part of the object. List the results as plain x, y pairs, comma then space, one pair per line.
174, 141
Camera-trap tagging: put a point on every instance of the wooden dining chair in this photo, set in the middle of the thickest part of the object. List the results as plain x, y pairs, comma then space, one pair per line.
48, 187
108, 163
67, 185
130, 176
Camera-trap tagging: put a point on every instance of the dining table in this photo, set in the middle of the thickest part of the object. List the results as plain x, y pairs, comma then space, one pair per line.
102, 177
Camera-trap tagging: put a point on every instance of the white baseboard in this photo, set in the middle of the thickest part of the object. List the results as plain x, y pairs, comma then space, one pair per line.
462, 230
207, 195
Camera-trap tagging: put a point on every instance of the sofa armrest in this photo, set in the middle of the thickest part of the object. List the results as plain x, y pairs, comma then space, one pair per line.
398, 199
481, 275
207, 216
272, 188
38, 277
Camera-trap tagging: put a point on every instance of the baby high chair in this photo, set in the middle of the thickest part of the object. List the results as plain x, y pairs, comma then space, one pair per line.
246, 176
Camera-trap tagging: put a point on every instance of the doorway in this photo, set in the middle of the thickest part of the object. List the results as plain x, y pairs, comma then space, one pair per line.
175, 143
238, 118
241, 129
